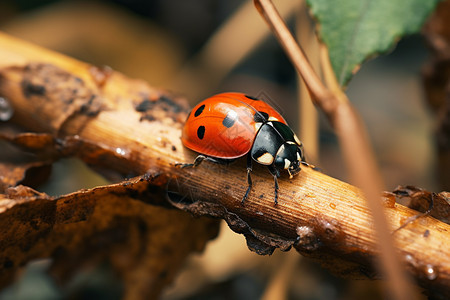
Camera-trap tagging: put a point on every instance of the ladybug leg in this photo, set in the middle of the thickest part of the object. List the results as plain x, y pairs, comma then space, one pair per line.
275, 178
199, 159
276, 173
249, 178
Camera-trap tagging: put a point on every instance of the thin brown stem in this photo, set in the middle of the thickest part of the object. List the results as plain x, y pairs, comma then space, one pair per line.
354, 142
308, 118
318, 91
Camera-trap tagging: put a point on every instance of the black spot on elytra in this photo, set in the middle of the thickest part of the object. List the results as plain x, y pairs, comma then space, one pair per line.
201, 132
253, 98
229, 120
261, 117
199, 110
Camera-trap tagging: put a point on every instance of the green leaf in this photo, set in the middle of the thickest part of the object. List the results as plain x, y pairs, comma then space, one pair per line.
355, 30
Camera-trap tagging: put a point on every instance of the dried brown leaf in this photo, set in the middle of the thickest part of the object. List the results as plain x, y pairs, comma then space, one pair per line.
421, 200
145, 244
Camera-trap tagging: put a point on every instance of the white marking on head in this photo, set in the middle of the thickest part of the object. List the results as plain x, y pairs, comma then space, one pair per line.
298, 156
287, 163
265, 159
291, 143
258, 126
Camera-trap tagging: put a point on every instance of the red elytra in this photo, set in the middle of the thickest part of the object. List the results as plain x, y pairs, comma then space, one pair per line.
225, 125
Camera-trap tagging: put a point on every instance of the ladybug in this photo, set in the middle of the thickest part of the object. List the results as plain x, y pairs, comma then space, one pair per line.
227, 126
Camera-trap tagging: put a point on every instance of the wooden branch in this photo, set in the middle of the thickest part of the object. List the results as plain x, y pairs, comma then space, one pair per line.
137, 130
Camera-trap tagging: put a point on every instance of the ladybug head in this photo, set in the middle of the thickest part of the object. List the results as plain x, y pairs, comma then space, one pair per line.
288, 157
